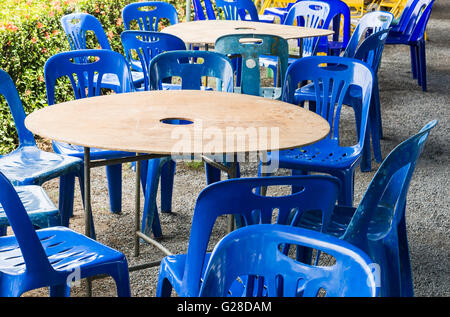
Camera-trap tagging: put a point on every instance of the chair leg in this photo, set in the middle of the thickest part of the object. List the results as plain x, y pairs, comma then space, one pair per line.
422, 65
407, 288
122, 279
150, 214
167, 176
114, 175
164, 288
376, 128
212, 174
66, 197
347, 190
60, 290
413, 53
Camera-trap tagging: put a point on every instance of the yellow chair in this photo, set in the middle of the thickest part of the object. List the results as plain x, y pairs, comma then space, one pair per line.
357, 8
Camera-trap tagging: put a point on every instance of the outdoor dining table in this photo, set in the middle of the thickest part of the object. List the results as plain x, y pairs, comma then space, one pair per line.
155, 124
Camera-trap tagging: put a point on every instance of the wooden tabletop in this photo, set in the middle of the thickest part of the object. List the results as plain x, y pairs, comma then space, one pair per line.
134, 122
208, 31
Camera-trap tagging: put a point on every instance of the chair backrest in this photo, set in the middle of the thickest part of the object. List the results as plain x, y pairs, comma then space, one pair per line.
31, 248
255, 251
404, 17
418, 32
9, 91
148, 14
340, 16
148, 44
371, 49
77, 25
200, 11
312, 14
191, 66
237, 9
374, 226
250, 47
332, 77
86, 77
370, 23
240, 197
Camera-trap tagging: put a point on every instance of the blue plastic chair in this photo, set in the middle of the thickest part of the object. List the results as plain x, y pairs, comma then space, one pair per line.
190, 66
367, 48
205, 11
51, 257
378, 225
146, 45
412, 33
77, 26
239, 197
312, 14
250, 48
244, 10
332, 77
338, 10
255, 251
148, 15
28, 165
86, 79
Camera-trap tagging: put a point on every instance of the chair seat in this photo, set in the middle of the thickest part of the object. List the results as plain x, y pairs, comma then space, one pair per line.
28, 165
397, 38
95, 153
320, 156
65, 248
38, 205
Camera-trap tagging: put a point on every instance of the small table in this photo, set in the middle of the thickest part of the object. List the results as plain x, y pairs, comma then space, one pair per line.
162, 123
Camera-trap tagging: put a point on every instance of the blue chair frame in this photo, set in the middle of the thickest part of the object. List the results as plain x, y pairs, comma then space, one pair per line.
28, 165
412, 32
378, 225
148, 44
313, 14
240, 198
76, 26
148, 20
255, 251
51, 257
87, 82
200, 10
331, 84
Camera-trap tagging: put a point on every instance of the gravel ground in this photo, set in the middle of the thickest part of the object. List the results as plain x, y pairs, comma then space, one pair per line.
405, 109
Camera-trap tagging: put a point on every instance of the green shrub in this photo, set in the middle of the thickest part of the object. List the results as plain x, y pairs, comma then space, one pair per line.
30, 33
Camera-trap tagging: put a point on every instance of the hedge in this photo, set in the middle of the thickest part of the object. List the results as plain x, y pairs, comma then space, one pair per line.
30, 33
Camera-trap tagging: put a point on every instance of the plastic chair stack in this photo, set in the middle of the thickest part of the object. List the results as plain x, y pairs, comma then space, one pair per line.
411, 31
28, 165
52, 257
255, 251
86, 81
244, 10
239, 197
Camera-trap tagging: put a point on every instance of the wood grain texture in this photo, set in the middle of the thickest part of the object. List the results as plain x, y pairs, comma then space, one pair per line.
132, 122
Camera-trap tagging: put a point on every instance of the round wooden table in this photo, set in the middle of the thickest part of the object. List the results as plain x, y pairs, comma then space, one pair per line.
208, 31
160, 123
140, 122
